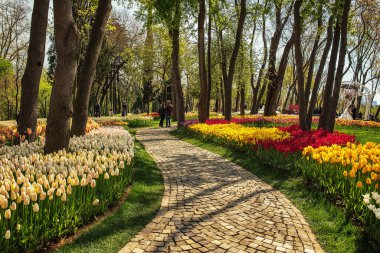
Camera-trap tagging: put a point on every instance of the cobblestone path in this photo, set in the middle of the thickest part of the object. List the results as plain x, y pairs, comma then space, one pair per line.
213, 205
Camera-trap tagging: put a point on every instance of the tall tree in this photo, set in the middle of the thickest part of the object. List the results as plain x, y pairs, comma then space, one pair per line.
340, 67
257, 92
318, 77
148, 60
67, 39
176, 75
32, 75
299, 64
228, 75
273, 85
335, 73
170, 12
203, 97
88, 70
209, 66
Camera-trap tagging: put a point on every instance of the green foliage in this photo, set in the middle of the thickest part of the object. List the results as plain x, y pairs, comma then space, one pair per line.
44, 95
7, 89
6, 68
140, 122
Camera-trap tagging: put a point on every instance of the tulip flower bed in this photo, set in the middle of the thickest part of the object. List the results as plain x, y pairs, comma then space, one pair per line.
140, 122
282, 120
46, 196
243, 138
238, 135
357, 123
130, 120
331, 162
153, 115
277, 146
110, 121
9, 132
348, 172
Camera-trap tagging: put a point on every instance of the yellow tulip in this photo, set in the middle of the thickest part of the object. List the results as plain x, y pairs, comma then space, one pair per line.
83, 182
43, 196
69, 190
13, 206
95, 202
36, 208
26, 200
7, 235
8, 214
93, 183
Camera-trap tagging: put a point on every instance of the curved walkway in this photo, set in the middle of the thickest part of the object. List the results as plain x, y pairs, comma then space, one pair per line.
213, 205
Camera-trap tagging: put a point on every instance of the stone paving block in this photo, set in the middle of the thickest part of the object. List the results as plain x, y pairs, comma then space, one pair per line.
213, 205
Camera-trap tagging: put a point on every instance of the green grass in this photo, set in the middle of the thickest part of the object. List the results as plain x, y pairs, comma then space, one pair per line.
362, 134
141, 205
328, 221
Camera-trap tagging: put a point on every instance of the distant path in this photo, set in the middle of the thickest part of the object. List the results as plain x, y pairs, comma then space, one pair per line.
213, 205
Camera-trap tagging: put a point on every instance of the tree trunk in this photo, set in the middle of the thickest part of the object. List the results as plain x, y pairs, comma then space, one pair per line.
217, 98
260, 97
231, 69
299, 65
258, 92
313, 55
223, 67
180, 107
271, 75
222, 95
31, 80
251, 68
368, 106
287, 97
340, 68
237, 100
87, 73
209, 77
318, 77
242, 99
377, 112
67, 40
272, 106
203, 97
147, 68
174, 96
323, 119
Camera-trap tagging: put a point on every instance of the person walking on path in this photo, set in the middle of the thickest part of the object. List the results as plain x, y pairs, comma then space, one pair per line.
97, 109
168, 112
161, 112
124, 113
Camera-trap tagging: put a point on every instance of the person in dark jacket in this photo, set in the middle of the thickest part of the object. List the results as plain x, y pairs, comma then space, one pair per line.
168, 112
161, 112
97, 109
124, 112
